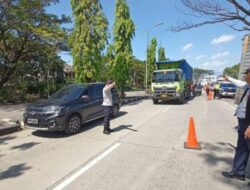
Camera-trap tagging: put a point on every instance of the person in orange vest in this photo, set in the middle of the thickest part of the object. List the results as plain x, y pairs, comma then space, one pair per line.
207, 88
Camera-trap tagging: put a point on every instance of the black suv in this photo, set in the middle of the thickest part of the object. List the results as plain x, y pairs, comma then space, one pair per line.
69, 108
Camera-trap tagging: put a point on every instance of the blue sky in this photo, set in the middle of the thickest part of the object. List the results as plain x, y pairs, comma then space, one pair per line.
210, 47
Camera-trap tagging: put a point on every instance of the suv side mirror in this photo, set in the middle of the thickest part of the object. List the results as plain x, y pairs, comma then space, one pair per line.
85, 98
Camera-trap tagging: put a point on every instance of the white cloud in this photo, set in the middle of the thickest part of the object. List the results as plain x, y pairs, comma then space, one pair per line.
187, 47
220, 55
200, 57
222, 39
216, 65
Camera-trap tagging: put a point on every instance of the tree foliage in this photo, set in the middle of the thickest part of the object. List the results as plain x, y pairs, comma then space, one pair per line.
198, 73
233, 13
161, 54
151, 59
88, 39
137, 74
26, 29
123, 31
232, 71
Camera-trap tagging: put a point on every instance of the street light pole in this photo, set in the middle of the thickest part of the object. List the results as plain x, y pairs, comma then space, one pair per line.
147, 36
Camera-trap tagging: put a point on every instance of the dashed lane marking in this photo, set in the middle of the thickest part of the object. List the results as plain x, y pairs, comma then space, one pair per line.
166, 109
73, 177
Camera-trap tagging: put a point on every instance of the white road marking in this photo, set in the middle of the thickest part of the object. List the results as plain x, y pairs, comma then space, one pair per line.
166, 109
85, 168
6, 120
231, 106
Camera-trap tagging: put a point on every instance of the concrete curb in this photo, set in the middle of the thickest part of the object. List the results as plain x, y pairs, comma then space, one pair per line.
133, 99
8, 127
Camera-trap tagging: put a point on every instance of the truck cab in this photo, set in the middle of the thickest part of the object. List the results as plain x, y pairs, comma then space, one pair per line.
170, 82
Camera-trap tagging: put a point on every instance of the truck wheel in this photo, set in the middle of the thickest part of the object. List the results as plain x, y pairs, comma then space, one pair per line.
73, 124
155, 101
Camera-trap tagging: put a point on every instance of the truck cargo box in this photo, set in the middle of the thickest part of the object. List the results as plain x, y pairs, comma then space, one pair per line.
179, 64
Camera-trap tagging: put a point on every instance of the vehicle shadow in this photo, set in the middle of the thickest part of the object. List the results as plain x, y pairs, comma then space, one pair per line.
14, 171
85, 127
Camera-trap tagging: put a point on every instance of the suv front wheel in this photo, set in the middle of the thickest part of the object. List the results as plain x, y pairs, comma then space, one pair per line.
73, 124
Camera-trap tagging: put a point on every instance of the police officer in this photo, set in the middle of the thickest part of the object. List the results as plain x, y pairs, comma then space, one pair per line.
216, 90
108, 105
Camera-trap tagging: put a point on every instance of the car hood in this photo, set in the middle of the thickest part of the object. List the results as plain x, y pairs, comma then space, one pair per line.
45, 105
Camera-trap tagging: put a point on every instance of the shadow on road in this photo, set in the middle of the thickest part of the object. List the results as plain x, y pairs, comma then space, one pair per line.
214, 151
124, 127
25, 146
14, 171
4, 139
215, 155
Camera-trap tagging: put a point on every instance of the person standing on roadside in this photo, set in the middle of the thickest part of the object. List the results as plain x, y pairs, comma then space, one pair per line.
108, 105
207, 88
216, 90
243, 143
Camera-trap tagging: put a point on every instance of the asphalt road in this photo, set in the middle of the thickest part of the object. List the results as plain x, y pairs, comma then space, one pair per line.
145, 151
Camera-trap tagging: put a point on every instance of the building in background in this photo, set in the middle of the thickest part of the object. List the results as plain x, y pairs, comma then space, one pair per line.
69, 72
208, 79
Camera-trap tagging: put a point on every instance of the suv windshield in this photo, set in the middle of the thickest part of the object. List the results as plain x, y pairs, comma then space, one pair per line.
68, 93
169, 76
227, 85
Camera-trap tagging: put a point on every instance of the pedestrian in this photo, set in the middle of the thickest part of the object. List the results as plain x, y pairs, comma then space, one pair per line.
108, 105
207, 88
243, 144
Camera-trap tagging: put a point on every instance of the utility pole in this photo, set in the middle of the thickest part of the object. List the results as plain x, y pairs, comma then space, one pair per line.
147, 36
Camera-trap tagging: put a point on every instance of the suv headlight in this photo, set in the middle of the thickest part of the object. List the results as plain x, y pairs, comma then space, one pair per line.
60, 110
56, 110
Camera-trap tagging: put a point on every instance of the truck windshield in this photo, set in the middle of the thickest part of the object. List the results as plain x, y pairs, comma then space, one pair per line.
169, 76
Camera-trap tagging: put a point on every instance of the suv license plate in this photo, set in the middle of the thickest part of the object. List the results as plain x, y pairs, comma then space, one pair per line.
32, 121
164, 95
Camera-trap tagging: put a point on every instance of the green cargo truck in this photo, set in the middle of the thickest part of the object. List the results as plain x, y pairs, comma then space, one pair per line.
171, 80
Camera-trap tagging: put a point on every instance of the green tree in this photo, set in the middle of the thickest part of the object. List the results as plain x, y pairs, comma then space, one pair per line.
137, 74
232, 71
108, 62
151, 59
124, 30
161, 54
198, 73
25, 28
88, 39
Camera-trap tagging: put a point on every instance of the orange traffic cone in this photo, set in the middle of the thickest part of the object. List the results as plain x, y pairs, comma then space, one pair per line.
210, 95
191, 139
